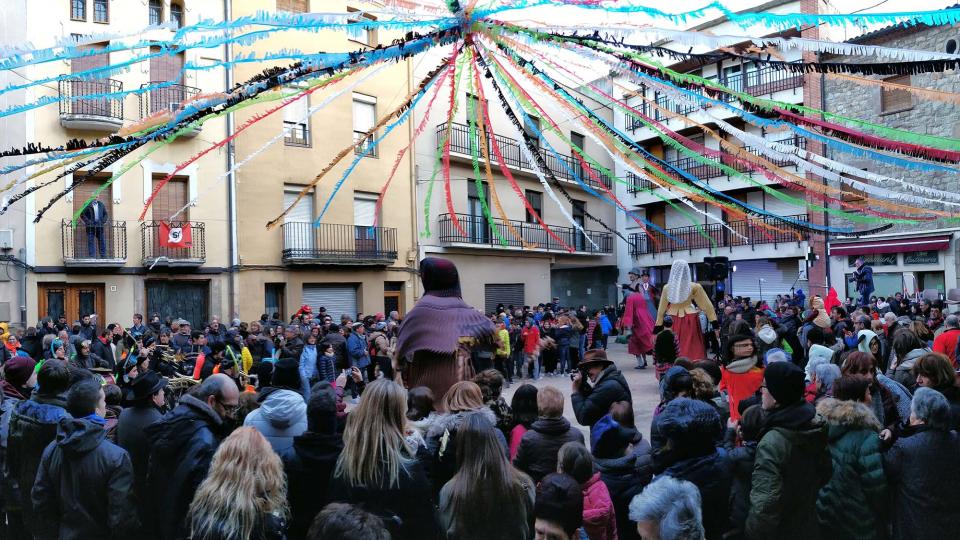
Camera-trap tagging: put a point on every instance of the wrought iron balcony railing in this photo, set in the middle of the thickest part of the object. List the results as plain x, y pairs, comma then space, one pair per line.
332, 243
153, 253
480, 233
689, 238
103, 245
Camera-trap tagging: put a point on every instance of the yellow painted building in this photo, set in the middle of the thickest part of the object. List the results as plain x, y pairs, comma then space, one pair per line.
345, 264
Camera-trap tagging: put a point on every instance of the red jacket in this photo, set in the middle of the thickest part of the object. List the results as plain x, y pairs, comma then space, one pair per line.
740, 386
599, 517
531, 339
946, 344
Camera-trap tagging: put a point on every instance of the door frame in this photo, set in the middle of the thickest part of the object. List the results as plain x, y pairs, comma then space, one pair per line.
71, 299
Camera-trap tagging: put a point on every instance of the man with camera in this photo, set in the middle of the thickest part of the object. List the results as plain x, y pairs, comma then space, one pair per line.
597, 384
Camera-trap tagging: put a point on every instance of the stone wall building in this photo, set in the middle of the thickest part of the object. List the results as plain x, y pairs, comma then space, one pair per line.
911, 257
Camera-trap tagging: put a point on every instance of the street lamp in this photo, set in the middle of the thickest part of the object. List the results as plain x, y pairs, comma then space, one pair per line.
760, 285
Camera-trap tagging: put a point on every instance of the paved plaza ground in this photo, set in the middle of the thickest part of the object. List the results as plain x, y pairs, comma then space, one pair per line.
643, 386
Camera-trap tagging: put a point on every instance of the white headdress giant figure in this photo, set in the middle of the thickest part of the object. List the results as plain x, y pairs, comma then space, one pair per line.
679, 282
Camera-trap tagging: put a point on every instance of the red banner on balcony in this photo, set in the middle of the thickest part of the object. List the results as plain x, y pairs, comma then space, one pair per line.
175, 236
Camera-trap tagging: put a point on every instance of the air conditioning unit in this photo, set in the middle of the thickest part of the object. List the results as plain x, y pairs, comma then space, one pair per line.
6, 238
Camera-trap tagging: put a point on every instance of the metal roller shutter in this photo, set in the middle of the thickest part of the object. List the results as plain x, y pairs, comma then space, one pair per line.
502, 293
338, 299
777, 278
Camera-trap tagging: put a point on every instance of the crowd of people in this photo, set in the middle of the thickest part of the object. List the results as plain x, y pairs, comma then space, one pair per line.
794, 418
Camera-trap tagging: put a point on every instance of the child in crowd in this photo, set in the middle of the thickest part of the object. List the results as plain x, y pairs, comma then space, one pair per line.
665, 348
599, 520
747, 431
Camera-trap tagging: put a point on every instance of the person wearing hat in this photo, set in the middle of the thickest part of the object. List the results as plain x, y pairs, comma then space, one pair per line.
638, 317
678, 299
147, 403
438, 336
597, 385
380, 350
19, 379
863, 278
622, 457
282, 414
292, 342
793, 461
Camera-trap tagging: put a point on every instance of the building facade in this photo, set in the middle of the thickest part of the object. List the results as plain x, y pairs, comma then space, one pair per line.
513, 260
108, 262
907, 258
359, 258
762, 263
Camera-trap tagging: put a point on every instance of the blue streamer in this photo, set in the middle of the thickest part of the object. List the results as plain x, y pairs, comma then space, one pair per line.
693, 179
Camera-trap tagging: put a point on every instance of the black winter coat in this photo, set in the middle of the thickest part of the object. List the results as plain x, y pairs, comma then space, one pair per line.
132, 437
625, 477
741, 463
309, 465
84, 486
33, 425
590, 404
103, 351
923, 472
407, 509
712, 476
292, 348
183, 443
537, 454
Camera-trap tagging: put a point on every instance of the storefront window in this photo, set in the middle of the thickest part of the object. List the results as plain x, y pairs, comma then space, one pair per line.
932, 280
921, 257
884, 284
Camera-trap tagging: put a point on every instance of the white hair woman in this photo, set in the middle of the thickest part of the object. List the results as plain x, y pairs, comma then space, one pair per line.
677, 300
377, 469
668, 509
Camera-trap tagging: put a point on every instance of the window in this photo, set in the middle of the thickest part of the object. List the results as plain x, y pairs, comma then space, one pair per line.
531, 127
856, 198
273, 298
358, 32
176, 14
536, 202
893, 99
296, 123
293, 6
364, 118
155, 9
101, 11
78, 10
364, 216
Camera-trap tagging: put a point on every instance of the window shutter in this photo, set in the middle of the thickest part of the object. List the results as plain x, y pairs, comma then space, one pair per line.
364, 113
364, 210
895, 99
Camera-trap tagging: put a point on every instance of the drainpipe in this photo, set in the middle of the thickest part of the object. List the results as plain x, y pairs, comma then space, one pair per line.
826, 215
23, 289
414, 193
231, 177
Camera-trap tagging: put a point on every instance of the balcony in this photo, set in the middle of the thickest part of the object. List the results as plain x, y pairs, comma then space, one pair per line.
480, 234
562, 166
154, 254
331, 243
83, 107
708, 171
763, 81
87, 247
170, 98
689, 239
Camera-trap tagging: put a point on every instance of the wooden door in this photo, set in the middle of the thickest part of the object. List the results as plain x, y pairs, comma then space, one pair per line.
187, 299
90, 85
169, 201
84, 191
166, 68
72, 300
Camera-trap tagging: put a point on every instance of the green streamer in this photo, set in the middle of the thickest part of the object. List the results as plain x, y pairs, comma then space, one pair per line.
458, 71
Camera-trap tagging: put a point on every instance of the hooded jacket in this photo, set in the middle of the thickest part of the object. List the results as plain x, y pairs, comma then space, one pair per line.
183, 443
84, 486
791, 466
852, 501
131, 436
537, 455
599, 518
33, 425
625, 477
309, 464
282, 415
591, 403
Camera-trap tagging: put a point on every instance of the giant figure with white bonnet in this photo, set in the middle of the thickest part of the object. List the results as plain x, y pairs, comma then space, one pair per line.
680, 299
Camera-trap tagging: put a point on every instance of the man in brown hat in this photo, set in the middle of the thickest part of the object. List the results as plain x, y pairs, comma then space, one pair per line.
597, 385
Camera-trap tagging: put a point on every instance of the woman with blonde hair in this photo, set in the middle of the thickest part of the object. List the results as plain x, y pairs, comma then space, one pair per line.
463, 398
379, 471
244, 495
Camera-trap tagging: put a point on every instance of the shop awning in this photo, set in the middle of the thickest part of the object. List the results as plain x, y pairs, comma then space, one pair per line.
892, 245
